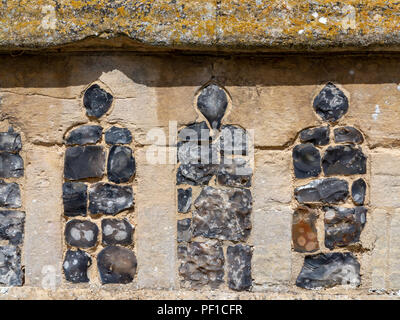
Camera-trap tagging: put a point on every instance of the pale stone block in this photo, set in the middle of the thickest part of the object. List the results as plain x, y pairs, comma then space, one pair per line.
156, 224
385, 179
379, 260
271, 237
272, 178
43, 234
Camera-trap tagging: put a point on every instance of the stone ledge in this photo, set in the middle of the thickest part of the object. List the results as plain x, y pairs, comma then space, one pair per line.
123, 292
209, 25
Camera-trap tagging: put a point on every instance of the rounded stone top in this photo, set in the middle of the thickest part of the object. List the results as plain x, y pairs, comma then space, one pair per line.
202, 24
331, 103
97, 101
212, 103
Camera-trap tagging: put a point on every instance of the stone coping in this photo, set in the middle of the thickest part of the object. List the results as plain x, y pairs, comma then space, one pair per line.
210, 25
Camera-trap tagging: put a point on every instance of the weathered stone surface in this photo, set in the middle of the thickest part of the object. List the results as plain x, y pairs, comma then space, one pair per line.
329, 270
204, 25
75, 266
97, 101
234, 173
121, 165
348, 135
316, 136
116, 265
116, 231
10, 141
84, 162
223, 214
81, 233
11, 165
202, 263
306, 161
233, 141
239, 267
358, 190
116, 135
195, 174
12, 225
330, 190
198, 131
272, 181
385, 179
331, 103
212, 103
109, 199
10, 266
304, 231
344, 160
184, 200
156, 251
84, 135
44, 235
74, 199
10, 195
184, 231
343, 226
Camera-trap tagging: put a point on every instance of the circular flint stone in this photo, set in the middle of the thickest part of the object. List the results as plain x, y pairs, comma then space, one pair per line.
306, 161
331, 103
81, 233
116, 265
212, 103
97, 101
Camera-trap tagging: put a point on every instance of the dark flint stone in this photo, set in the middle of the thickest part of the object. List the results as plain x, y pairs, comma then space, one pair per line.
202, 263
10, 141
109, 199
316, 136
233, 141
212, 103
358, 189
184, 232
116, 231
306, 161
330, 190
116, 135
198, 131
12, 226
121, 164
74, 199
116, 265
223, 214
11, 273
84, 135
96, 101
348, 135
331, 103
239, 267
84, 162
304, 230
193, 153
343, 226
195, 174
81, 233
345, 160
184, 200
10, 195
329, 270
75, 266
11, 165
235, 174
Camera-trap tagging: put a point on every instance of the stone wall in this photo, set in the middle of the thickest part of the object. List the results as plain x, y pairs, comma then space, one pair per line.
119, 179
